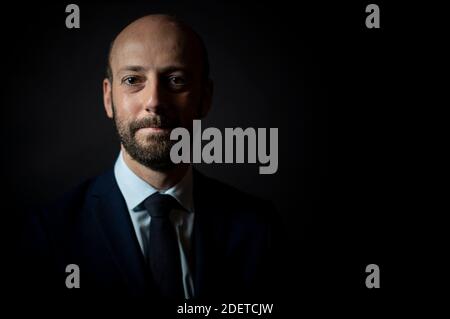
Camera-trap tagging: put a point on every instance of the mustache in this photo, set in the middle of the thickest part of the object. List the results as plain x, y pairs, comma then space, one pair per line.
158, 121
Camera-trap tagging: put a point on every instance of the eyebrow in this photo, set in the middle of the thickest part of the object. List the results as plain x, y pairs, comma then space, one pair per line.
134, 68
139, 68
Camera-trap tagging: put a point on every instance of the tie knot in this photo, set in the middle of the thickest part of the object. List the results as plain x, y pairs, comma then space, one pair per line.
160, 205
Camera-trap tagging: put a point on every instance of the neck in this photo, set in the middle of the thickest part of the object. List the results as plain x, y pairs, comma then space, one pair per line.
157, 179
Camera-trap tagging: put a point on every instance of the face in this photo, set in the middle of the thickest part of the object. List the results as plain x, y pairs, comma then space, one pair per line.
157, 86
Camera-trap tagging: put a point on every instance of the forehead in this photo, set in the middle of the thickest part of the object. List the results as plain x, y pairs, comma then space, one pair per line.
157, 47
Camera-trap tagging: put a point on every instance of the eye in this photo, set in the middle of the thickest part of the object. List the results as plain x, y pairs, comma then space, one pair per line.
131, 80
177, 81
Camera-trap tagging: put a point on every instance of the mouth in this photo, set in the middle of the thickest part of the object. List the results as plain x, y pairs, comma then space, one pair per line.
154, 129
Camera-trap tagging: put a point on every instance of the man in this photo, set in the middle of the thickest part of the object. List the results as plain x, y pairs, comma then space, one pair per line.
150, 227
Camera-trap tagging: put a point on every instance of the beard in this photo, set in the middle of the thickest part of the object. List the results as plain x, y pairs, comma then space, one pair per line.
152, 149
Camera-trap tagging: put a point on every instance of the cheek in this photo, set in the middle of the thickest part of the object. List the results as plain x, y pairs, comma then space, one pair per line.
188, 105
125, 104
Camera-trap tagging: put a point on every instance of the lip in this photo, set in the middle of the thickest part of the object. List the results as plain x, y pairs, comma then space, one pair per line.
154, 129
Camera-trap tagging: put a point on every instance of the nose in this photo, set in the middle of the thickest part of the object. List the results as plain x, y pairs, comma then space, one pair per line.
153, 95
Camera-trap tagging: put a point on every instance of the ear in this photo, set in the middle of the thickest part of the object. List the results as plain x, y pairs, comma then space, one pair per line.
207, 99
107, 97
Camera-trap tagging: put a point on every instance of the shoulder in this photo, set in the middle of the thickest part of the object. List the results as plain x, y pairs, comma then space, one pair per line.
229, 199
67, 207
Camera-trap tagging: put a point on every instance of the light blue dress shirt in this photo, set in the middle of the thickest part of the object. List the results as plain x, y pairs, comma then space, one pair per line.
135, 190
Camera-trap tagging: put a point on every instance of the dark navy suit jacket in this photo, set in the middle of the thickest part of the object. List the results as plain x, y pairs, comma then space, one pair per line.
236, 244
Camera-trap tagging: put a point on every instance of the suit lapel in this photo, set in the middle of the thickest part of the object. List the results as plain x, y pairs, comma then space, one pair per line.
209, 236
117, 227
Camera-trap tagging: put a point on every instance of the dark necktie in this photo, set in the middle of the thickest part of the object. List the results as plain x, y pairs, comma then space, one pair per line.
163, 254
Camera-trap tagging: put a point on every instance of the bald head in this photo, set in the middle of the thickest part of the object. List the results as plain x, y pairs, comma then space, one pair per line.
154, 33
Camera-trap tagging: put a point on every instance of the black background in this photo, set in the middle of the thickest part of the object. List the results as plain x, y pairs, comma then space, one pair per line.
336, 90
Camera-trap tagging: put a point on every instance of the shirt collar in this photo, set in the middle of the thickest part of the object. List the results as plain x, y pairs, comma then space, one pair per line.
135, 190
